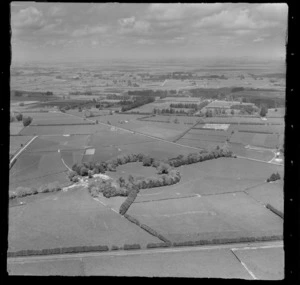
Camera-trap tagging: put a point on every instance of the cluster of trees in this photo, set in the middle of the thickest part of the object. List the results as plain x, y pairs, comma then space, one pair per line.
82, 169
245, 109
220, 111
263, 111
208, 113
186, 105
237, 89
203, 155
274, 177
147, 93
27, 121
137, 103
18, 117
117, 97
27, 191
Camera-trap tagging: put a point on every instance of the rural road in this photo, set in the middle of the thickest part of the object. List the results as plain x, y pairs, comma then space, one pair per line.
223, 261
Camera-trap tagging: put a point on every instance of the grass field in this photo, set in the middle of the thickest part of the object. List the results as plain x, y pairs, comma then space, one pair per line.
216, 216
155, 149
156, 264
54, 118
199, 144
256, 139
70, 219
16, 141
36, 169
280, 113
15, 127
60, 130
240, 150
218, 176
269, 193
265, 263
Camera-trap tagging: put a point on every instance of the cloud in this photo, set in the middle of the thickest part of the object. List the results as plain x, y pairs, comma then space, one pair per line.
87, 31
257, 40
234, 19
57, 11
29, 18
127, 22
132, 26
145, 42
170, 12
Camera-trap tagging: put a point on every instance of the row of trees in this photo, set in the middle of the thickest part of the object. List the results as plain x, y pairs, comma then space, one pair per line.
203, 155
137, 103
27, 191
172, 111
186, 105
244, 109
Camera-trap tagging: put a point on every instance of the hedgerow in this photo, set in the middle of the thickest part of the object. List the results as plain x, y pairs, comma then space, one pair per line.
129, 200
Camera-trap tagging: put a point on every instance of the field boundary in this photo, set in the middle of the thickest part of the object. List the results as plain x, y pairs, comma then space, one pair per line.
105, 248
186, 131
14, 159
275, 211
69, 124
147, 228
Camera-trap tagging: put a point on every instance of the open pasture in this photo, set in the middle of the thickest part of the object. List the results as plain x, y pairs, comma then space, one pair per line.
67, 219
238, 120
261, 154
259, 128
148, 108
54, 118
15, 127
201, 144
163, 132
61, 130
264, 263
222, 104
280, 113
107, 138
55, 143
218, 176
155, 149
35, 169
229, 215
204, 137
269, 193
255, 139
16, 142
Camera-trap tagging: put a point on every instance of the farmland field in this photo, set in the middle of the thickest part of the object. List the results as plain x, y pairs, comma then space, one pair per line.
215, 216
269, 193
54, 118
201, 144
265, 263
256, 139
155, 149
70, 218
218, 176
60, 130
36, 169
214, 199
15, 127
16, 141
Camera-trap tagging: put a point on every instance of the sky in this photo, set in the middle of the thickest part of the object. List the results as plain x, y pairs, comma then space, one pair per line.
51, 32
